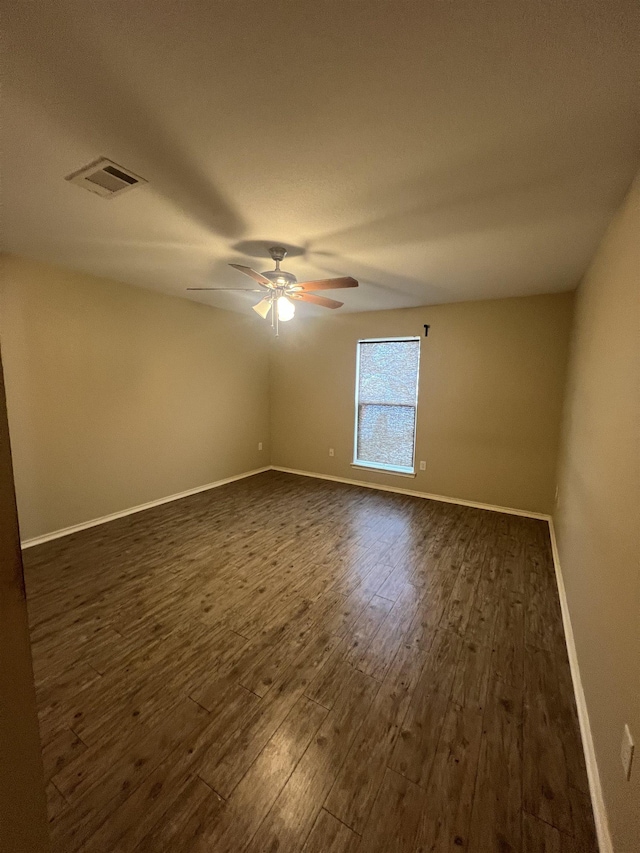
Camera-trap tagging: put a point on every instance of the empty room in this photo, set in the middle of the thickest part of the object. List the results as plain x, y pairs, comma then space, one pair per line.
320, 427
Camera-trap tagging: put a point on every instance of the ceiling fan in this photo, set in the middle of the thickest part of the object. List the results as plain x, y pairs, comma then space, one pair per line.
280, 287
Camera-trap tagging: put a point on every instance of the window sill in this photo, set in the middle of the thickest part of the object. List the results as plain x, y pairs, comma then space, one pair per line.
392, 471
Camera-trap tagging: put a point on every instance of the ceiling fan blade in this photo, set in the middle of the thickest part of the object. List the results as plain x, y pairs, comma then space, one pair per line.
327, 284
229, 289
263, 307
316, 300
256, 276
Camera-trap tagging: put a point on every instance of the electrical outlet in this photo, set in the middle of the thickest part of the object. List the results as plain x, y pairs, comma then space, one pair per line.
259, 445
626, 752
423, 466
331, 453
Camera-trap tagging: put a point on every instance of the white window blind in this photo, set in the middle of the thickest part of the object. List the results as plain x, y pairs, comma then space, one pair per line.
386, 403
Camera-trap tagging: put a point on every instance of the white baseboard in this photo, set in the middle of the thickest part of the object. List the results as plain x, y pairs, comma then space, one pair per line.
412, 493
595, 788
94, 522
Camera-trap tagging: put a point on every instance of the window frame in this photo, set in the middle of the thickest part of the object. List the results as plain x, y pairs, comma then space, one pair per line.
399, 470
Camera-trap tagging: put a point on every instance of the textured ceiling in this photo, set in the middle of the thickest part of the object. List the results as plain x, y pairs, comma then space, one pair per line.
438, 151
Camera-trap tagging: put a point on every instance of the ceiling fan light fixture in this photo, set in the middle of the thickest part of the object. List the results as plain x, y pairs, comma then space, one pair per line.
286, 309
263, 307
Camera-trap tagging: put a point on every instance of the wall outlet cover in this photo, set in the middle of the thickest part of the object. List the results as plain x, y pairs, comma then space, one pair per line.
331, 453
423, 466
259, 445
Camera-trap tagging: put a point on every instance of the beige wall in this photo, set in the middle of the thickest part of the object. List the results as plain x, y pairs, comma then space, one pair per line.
491, 382
23, 818
598, 516
118, 396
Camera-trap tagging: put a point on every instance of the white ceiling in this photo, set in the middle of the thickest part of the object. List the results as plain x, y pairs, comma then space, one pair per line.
436, 150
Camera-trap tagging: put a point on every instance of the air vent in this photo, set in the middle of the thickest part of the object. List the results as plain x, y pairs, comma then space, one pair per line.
105, 178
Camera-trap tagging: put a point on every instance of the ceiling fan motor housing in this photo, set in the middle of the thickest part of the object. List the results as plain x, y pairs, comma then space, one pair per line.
281, 278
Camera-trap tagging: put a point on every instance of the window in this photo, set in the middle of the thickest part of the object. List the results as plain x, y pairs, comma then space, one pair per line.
386, 404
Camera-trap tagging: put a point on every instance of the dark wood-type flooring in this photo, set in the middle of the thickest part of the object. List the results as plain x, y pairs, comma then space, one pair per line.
288, 664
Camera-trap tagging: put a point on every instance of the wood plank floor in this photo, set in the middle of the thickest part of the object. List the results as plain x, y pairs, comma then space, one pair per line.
287, 664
